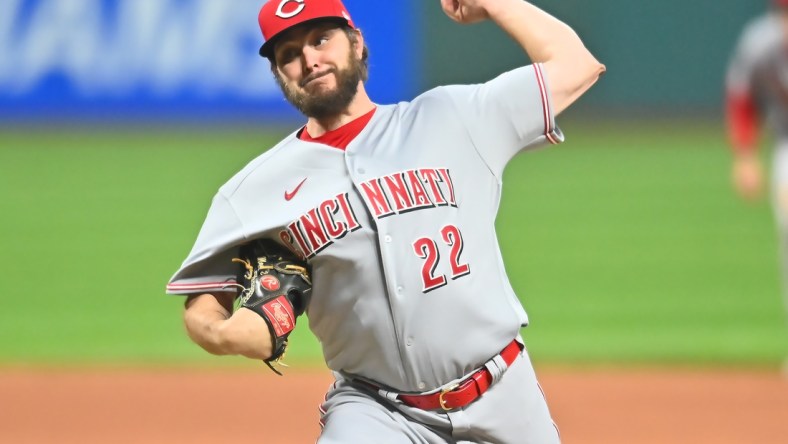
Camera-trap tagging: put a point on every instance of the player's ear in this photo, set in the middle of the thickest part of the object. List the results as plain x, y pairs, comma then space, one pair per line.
358, 43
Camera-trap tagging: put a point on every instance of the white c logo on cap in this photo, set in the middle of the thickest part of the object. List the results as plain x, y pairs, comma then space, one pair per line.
287, 15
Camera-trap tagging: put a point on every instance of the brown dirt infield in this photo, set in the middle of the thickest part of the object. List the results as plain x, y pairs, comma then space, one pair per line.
242, 406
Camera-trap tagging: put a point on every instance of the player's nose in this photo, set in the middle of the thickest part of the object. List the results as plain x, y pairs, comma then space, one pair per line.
311, 58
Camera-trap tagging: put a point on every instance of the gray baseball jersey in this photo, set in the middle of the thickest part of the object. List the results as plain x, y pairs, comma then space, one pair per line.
409, 289
759, 68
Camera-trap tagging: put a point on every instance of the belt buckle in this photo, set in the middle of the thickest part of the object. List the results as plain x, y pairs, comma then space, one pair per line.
443, 392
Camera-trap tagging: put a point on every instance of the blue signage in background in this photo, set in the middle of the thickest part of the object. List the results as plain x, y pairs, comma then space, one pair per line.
170, 59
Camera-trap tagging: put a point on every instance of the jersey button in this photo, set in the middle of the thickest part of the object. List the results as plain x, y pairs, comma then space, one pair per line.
361, 171
422, 386
388, 239
409, 342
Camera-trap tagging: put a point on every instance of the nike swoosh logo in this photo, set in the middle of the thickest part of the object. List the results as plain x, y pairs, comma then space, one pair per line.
289, 195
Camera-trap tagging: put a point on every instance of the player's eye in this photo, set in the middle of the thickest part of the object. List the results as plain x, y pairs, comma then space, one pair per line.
321, 39
288, 55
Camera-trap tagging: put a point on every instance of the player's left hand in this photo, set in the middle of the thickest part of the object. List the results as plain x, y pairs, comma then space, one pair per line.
276, 285
465, 11
748, 177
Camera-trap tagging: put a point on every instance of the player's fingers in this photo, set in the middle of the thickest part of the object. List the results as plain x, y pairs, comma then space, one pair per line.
747, 176
450, 5
749, 193
748, 186
452, 9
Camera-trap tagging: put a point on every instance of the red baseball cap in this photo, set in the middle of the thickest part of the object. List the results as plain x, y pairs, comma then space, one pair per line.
277, 16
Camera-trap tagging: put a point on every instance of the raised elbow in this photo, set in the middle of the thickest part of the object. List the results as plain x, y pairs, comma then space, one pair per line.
571, 77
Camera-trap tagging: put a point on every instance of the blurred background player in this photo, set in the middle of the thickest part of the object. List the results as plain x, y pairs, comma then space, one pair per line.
756, 94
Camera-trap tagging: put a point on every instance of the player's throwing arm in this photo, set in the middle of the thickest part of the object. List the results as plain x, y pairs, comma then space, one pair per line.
569, 66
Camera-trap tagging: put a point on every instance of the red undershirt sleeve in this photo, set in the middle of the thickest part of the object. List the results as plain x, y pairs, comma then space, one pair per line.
742, 120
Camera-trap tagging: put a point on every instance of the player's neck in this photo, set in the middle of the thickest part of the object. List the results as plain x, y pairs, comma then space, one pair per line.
360, 105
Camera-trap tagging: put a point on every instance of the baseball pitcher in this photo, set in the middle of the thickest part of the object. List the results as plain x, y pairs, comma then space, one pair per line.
378, 222
756, 93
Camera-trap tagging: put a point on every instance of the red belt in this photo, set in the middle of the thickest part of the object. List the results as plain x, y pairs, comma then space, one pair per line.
462, 393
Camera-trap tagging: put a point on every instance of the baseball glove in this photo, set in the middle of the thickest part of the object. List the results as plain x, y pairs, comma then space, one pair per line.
276, 285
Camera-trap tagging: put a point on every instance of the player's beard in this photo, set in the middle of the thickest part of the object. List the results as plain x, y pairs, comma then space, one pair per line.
324, 104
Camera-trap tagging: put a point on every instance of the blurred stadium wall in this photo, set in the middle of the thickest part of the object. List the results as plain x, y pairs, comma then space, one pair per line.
167, 59
197, 59
662, 57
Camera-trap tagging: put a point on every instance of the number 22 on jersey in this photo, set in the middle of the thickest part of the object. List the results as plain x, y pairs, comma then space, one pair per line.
428, 249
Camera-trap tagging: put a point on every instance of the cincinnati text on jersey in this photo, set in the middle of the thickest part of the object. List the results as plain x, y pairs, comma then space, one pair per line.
395, 193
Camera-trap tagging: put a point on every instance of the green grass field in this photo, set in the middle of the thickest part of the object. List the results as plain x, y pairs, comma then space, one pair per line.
626, 245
